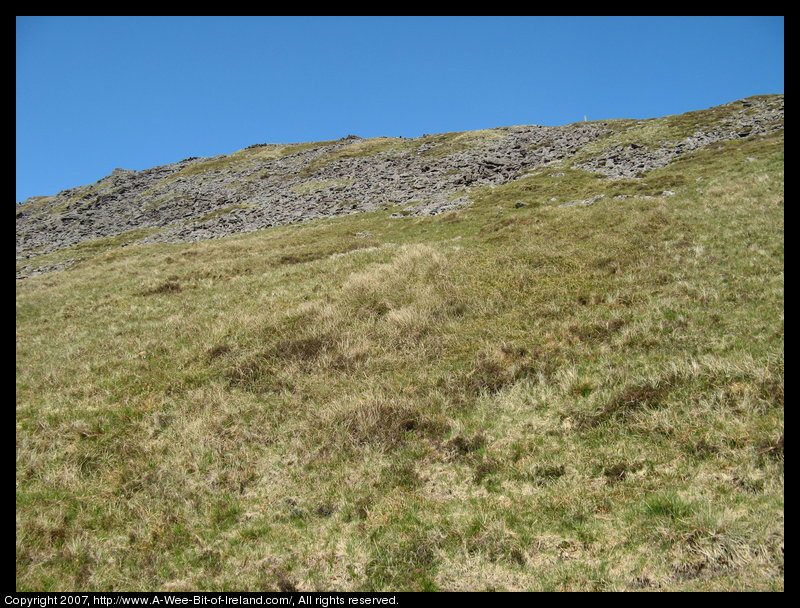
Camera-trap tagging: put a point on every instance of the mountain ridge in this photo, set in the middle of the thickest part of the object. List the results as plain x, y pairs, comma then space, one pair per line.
267, 185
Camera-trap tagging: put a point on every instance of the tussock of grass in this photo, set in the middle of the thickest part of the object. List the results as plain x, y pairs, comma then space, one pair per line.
501, 366
376, 420
499, 398
163, 288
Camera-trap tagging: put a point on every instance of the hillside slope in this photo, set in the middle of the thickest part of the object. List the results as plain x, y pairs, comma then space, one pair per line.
575, 381
271, 184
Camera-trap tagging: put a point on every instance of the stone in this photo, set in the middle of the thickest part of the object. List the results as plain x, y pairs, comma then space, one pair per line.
583, 202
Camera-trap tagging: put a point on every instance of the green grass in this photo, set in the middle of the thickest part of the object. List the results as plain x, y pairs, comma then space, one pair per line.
92, 248
246, 158
497, 398
434, 146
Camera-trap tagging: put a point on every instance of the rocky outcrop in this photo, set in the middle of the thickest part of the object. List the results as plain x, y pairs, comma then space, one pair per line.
747, 118
266, 185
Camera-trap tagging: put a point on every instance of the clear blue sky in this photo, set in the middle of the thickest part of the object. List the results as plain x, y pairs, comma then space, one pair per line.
96, 93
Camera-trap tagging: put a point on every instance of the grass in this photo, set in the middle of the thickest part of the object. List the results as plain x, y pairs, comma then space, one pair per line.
427, 146
92, 248
246, 158
541, 398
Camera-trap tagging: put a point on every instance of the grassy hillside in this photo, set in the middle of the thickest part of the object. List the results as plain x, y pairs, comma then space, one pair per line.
503, 397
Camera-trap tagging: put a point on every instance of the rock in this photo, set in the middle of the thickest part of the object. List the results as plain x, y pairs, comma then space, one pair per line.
583, 202
633, 160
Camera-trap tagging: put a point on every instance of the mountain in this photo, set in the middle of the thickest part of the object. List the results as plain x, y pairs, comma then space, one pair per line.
268, 185
520, 359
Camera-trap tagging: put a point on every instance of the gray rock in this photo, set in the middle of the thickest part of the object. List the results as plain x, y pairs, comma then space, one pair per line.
583, 202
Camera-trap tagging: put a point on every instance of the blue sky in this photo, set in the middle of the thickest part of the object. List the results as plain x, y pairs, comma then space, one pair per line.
96, 93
